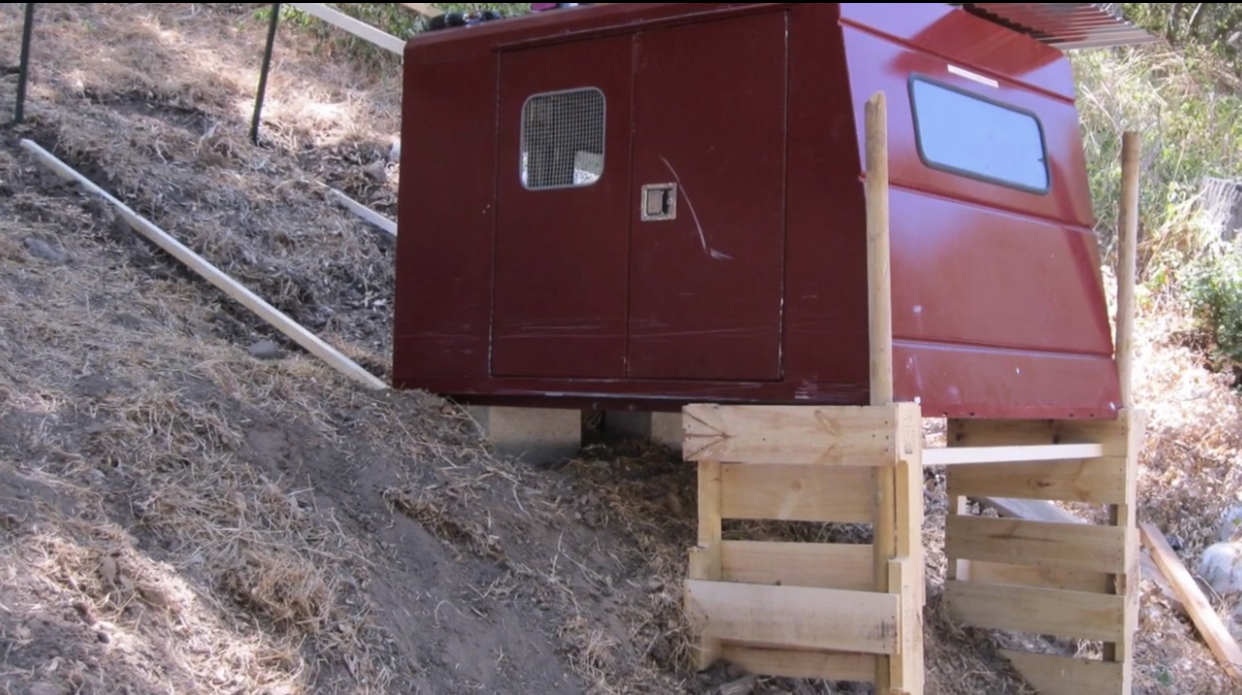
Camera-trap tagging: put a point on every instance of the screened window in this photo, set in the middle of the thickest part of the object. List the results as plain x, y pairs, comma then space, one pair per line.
972, 136
563, 139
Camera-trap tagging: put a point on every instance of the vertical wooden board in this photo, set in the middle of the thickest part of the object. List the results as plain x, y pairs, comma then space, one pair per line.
1069, 614
793, 663
838, 435
1082, 547
823, 565
797, 617
705, 558
1062, 675
796, 493
906, 669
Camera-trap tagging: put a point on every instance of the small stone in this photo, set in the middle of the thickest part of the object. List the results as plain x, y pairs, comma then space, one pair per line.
1221, 568
266, 350
394, 153
42, 249
654, 585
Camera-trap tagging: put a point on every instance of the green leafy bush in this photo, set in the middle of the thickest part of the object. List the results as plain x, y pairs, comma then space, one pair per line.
1212, 286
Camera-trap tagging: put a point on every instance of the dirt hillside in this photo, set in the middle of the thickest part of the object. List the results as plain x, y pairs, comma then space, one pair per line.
183, 509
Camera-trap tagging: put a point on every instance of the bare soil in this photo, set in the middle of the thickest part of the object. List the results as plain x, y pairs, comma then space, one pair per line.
179, 515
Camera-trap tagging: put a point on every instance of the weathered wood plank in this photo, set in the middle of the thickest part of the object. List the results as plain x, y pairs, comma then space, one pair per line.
1070, 614
822, 565
797, 617
797, 493
1082, 547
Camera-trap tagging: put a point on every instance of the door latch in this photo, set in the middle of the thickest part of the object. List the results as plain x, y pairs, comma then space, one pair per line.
659, 202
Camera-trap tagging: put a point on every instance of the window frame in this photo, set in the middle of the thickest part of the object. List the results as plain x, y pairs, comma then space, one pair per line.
522, 152
967, 173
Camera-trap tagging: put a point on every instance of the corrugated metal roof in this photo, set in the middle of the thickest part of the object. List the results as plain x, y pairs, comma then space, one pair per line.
1065, 25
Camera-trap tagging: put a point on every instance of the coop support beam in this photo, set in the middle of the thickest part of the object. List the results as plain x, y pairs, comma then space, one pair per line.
748, 600
879, 285
1048, 572
362, 30
533, 435
207, 271
363, 212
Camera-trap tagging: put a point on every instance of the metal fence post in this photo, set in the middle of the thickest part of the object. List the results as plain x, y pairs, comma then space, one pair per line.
267, 64
23, 69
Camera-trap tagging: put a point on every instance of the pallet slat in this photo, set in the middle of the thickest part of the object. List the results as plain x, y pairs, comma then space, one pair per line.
974, 455
1063, 675
798, 617
794, 663
796, 493
817, 565
1070, 614
1082, 547
841, 435
1094, 481
985, 572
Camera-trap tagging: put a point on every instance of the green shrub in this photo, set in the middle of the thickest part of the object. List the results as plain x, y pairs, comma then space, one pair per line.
1212, 286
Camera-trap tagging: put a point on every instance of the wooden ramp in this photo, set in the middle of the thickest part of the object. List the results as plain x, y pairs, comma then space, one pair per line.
834, 611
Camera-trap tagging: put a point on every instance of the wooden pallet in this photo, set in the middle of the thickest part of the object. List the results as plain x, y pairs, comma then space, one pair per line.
810, 610
1046, 578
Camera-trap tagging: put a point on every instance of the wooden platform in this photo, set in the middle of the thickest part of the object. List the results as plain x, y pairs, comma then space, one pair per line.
810, 610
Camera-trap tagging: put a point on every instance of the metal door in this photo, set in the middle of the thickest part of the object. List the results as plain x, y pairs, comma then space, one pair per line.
561, 254
707, 200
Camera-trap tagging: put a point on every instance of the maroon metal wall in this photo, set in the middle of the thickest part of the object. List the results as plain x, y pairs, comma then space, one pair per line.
756, 292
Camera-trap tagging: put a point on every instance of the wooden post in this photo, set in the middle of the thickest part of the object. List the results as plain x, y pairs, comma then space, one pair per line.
1127, 262
880, 291
1124, 515
880, 321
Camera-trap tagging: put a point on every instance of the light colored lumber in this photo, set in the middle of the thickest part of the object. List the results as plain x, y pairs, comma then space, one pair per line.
1109, 434
362, 30
1201, 613
423, 8
795, 663
905, 668
986, 572
1064, 675
706, 558
1046, 511
215, 276
363, 212
823, 565
879, 282
1124, 515
763, 434
1094, 481
796, 493
958, 455
798, 617
1082, 547
1070, 614
1127, 263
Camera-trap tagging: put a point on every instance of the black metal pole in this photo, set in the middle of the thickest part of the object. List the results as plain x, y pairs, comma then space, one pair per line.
23, 69
267, 64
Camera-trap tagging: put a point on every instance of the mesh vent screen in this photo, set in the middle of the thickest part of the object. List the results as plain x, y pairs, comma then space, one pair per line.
563, 139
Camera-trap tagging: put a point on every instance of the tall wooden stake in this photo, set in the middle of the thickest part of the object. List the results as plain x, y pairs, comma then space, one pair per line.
880, 313
880, 292
1127, 263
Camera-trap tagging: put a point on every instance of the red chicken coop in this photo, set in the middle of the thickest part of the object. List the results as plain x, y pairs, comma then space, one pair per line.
651, 204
